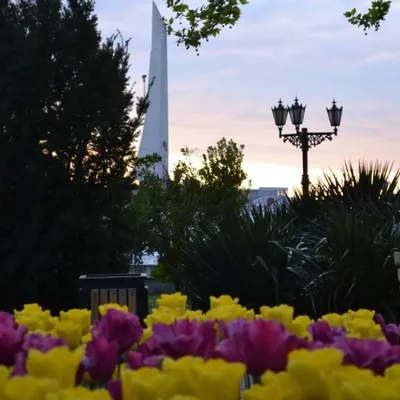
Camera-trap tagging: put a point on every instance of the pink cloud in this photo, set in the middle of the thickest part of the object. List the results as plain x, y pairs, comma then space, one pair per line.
283, 48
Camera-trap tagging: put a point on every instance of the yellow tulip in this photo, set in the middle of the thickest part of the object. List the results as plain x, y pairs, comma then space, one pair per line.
218, 379
256, 392
105, 307
283, 314
80, 393
33, 308
4, 375
176, 301
191, 315
325, 359
206, 380
363, 328
280, 387
80, 317
250, 315
180, 397
32, 323
362, 313
312, 371
184, 368
34, 318
146, 335
393, 372
226, 313
300, 325
70, 332
162, 315
59, 364
29, 388
333, 319
148, 384
86, 338
223, 300
353, 383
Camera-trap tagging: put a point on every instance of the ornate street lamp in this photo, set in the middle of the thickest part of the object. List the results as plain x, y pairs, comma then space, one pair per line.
296, 112
335, 115
302, 138
280, 114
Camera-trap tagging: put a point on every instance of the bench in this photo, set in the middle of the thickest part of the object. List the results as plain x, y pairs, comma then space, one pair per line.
123, 289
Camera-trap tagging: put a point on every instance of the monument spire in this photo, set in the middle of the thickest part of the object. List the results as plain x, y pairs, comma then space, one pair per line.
155, 130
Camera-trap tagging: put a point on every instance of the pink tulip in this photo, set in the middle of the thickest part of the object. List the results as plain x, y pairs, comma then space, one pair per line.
43, 343
315, 344
231, 328
392, 333
137, 360
19, 367
321, 331
101, 359
120, 327
378, 318
150, 347
229, 350
262, 345
185, 337
373, 354
115, 389
7, 320
11, 341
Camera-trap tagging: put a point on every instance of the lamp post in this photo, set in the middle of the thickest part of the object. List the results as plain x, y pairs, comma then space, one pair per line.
303, 139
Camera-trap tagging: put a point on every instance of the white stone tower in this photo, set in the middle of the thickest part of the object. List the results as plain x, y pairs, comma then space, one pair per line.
155, 130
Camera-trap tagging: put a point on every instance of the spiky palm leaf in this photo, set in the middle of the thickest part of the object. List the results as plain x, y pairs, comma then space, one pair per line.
371, 183
238, 255
349, 261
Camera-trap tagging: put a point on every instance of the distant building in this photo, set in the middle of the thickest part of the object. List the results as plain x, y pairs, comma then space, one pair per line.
267, 195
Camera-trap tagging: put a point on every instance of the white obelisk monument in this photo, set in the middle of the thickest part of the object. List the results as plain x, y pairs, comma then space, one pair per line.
155, 130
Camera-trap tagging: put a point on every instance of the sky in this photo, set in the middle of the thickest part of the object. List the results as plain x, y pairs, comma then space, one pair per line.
279, 49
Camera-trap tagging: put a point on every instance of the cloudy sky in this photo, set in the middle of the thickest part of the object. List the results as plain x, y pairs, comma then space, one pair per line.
280, 48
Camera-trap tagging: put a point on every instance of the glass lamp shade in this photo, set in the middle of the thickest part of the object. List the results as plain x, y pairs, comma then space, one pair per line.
334, 114
280, 114
296, 112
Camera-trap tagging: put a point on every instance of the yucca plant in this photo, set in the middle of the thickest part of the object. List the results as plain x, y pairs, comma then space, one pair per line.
377, 183
327, 253
346, 231
242, 255
348, 258
349, 237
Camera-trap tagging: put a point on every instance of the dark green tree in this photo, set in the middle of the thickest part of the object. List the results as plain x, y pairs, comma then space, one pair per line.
207, 20
177, 204
142, 208
66, 156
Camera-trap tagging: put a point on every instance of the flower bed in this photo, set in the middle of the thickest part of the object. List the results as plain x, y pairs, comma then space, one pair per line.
185, 354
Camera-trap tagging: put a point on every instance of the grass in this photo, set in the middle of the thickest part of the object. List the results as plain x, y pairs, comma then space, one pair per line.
153, 301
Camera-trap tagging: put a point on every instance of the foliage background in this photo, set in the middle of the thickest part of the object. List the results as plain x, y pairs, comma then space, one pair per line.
66, 157
329, 253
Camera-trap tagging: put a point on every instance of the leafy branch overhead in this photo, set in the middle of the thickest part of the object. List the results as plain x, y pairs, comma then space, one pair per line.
191, 26
204, 22
371, 19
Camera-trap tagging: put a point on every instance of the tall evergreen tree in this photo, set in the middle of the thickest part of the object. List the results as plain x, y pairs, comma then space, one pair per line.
66, 150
